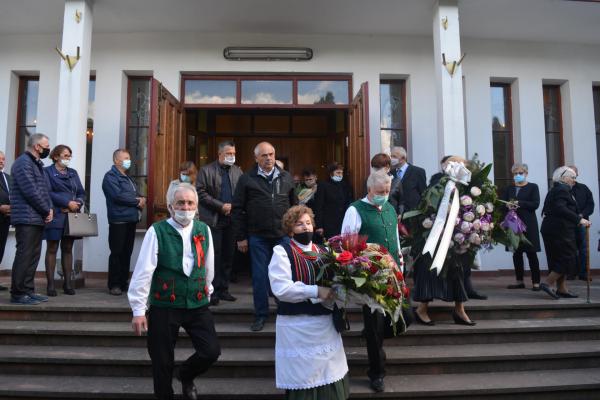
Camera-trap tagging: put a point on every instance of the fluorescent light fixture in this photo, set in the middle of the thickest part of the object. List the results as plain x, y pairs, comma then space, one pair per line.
268, 53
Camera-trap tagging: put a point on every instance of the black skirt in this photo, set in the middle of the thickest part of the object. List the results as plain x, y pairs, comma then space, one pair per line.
447, 286
561, 252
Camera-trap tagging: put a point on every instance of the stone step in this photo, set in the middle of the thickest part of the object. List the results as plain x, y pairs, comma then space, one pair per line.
572, 384
260, 363
238, 334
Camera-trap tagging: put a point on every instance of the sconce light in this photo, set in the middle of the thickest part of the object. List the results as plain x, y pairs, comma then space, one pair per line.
451, 66
268, 53
70, 60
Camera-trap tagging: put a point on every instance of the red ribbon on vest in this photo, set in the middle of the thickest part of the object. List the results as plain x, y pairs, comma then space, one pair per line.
198, 239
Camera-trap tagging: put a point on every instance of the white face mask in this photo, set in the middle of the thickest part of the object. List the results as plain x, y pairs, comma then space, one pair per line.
395, 161
65, 162
229, 160
184, 217
337, 178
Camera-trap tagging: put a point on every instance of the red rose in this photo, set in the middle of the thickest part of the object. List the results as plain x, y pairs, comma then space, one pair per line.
399, 275
390, 290
396, 295
373, 269
345, 257
172, 298
405, 291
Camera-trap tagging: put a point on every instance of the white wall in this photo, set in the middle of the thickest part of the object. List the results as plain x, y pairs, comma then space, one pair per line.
366, 58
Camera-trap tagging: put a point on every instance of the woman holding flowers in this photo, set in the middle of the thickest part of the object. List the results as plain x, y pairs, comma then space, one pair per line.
310, 362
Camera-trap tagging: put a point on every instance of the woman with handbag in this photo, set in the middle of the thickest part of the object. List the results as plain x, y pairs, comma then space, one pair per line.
67, 196
310, 362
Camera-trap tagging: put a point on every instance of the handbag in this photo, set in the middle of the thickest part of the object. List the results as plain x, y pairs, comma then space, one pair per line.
81, 225
340, 319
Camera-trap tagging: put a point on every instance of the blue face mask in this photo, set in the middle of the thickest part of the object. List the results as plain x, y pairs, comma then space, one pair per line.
126, 164
519, 178
337, 178
184, 178
379, 200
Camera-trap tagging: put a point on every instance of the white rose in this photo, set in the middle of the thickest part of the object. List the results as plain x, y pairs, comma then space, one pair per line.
477, 224
485, 226
475, 191
475, 239
489, 207
468, 216
480, 209
466, 200
457, 222
427, 223
465, 227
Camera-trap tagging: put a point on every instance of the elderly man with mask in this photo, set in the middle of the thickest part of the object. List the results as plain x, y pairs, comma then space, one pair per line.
374, 217
174, 273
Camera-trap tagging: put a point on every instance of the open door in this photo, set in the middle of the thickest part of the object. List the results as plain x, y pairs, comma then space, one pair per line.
166, 149
358, 141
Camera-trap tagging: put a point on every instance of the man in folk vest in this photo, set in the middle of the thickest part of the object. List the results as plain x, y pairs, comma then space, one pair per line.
174, 272
374, 217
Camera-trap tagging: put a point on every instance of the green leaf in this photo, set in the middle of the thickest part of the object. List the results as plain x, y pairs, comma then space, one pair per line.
359, 281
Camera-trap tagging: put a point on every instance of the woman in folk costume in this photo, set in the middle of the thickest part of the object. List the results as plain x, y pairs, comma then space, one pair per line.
310, 362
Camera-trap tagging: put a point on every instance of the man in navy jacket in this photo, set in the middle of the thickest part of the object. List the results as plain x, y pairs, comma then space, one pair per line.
124, 207
31, 210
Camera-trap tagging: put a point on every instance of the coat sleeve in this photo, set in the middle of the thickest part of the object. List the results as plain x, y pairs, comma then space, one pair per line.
421, 181
80, 196
239, 216
319, 202
532, 202
395, 198
29, 189
558, 207
588, 208
112, 190
204, 197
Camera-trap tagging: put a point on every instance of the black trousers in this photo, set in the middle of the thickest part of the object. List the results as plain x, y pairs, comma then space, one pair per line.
534, 265
224, 245
163, 330
374, 334
467, 282
29, 247
121, 238
4, 227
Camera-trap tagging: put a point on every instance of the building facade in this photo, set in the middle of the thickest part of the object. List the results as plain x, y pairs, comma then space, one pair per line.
152, 76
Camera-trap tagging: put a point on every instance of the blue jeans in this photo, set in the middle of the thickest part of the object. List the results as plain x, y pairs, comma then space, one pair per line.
261, 251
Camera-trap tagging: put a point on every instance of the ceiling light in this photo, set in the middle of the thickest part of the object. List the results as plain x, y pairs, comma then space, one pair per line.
268, 53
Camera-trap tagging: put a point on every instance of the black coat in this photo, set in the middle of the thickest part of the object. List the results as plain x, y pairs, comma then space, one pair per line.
258, 206
414, 184
561, 215
208, 186
584, 199
529, 201
5, 199
331, 201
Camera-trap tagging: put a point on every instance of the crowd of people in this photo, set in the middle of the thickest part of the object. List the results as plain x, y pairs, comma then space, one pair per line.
185, 262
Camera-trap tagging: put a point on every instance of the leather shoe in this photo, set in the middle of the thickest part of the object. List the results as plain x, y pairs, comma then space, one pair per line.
476, 296
516, 286
378, 385
459, 321
536, 288
422, 322
24, 300
226, 296
116, 291
549, 291
258, 324
214, 300
188, 389
566, 295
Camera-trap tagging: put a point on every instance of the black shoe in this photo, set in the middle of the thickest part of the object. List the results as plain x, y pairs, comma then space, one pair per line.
258, 324
226, 296
516, 286
476, 296
51, 292
419, 320
188, 389
459, 321
536, 288
3, 288
24, 300
39, 297
549, 291
68, 291
116, 291
214, 300
566, 295
378, 385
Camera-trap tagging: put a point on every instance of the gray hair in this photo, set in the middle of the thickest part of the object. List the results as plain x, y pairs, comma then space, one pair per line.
377, 178
258, 146
401, 149
224, 144
36, 138
563, 172
517, 166
174, 189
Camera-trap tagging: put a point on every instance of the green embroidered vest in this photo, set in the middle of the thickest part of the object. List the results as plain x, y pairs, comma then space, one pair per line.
380, 227
171, 287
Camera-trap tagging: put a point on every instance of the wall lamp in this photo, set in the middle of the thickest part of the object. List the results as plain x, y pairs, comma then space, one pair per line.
267, 53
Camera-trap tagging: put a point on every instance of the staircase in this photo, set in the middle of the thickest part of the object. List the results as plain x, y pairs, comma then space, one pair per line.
524, 346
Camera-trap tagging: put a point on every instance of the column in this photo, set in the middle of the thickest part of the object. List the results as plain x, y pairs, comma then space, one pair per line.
449, 89
74, 82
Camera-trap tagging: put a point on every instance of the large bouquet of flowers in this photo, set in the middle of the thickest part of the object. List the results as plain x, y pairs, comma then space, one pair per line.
478, 223
365, 274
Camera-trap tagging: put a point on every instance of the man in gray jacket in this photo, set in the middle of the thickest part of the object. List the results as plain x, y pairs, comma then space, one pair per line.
216, 184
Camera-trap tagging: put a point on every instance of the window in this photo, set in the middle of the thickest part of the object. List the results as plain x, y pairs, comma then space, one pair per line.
267, 92
89, 136
596, 91
553, 122
26, 111
502, 134
392, 98
322, 92
138, 127
210, 91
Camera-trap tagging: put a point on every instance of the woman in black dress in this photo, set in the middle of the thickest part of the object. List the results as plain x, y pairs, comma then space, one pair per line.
331, 201
526, 198
561, 219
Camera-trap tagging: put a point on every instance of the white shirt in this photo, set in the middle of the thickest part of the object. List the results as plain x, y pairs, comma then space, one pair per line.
139, 287
352, 222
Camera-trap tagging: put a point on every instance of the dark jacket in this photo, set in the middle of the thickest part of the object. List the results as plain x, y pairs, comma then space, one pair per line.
30, 202
435, 178
121, 197
63, 188
529, 201
584, 199
5, 198
331, 202
258, 206
208, 186
396, 198
561, 215
414, 183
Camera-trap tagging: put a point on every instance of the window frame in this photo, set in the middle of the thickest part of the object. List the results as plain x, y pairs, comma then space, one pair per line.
403, 122
507, 90
556, 87
23, 80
